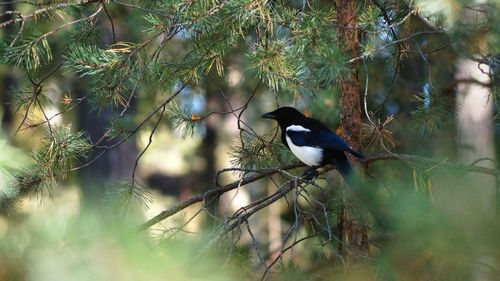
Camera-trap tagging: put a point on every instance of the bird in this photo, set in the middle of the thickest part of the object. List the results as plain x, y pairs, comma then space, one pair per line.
316, 145
312, 142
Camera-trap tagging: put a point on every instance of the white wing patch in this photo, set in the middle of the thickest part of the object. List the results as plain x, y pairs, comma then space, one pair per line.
297, 128
311, 156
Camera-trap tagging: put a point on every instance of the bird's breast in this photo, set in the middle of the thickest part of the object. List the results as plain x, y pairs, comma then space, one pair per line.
311, 156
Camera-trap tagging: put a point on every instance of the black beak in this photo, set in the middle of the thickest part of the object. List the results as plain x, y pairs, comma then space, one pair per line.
269, 115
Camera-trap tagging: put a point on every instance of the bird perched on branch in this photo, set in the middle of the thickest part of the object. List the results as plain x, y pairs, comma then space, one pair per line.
316, 145
312, 141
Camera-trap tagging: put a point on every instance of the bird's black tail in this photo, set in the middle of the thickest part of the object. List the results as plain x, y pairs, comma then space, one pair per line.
364, 193
356, 153
344, 167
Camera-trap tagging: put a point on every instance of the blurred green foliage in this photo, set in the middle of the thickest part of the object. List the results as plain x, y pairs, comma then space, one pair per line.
58, 246
171, 71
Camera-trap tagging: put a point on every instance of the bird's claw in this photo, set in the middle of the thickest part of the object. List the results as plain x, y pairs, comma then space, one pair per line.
310, 174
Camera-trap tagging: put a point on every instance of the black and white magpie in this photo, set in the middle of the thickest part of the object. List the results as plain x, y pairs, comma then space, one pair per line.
312, 141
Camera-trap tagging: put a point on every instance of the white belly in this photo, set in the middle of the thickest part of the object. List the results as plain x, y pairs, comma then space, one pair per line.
311, 156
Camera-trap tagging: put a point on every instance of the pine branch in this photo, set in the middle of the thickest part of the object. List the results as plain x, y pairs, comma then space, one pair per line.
130, 134
259, 174
246, 212
430, 161
123, 194
35, 52
39, 12
409, 37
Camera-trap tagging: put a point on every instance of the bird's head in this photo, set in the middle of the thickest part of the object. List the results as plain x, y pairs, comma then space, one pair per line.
284, 115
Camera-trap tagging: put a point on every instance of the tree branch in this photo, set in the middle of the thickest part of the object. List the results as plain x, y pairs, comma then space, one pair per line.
421, 159
259, 174
215, 192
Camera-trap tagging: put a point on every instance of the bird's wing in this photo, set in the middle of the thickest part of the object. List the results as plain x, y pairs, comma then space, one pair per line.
323, 139
328, 139
299, 138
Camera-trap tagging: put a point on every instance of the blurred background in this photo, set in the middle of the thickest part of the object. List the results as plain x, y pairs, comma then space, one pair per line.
114, 111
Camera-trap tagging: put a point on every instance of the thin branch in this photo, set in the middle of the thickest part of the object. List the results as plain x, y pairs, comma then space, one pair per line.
255, 244
45, 118
107, 148
259, 174
416, 34
282, 191
421, 159
214, 192
394, 37
150, 140
37, 89
38, 12
110, 21
283, 251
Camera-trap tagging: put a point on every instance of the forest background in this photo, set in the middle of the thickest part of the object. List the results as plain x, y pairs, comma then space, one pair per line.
132, 145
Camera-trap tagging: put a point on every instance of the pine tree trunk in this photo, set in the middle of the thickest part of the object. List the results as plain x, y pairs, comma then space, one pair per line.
116, 164
354, 232
476, 140
350, 105
475, 197
476, 133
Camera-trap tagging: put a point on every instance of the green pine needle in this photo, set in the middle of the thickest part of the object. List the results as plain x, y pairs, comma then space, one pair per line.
183, 119
277, 63
31, 53
61, 150
122, 197
328, 64
369, 18
432, 114
9, 205
33, 181
258, 153
91, 61
29, 96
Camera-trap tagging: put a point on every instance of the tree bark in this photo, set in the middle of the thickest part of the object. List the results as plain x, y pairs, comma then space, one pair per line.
354, 232
350, 104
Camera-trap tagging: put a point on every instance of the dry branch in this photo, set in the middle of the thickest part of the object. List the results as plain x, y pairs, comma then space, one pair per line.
259, 174
214, 192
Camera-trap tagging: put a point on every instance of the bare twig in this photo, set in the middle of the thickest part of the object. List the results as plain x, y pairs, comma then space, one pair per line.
236, 220
259, 174
135, 130
38, 12
213, 192
416, 34
283, 251
421, 159
255, 244
110, 21
150, 140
